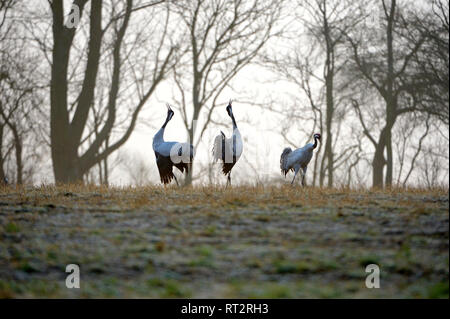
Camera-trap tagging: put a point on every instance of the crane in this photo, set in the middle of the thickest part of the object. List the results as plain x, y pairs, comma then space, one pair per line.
228, 150
169, 154
298, 159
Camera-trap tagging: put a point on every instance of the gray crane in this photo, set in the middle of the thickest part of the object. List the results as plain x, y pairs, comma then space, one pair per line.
228, 150
298, 159
169, 154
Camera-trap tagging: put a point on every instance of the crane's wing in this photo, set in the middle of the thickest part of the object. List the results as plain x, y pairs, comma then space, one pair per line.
165, 165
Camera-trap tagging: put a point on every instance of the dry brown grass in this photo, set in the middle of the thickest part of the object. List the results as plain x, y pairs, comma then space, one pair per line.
211, 241
217, 196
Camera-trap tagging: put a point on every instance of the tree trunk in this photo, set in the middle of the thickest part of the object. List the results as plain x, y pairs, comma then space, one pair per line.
100, 173
63, 148
329, 137
378, 166
379, 161
197, 107
316, 165
389, 162
188, 178
105, 165
322, 171
329, 78
18, 148
2, 171
390, 98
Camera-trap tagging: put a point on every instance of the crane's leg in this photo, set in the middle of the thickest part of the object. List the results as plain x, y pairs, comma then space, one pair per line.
303, 176
176, 179
295, 174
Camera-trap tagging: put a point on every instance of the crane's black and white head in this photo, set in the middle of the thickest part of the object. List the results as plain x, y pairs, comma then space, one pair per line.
229, 109
170, 113
317, 136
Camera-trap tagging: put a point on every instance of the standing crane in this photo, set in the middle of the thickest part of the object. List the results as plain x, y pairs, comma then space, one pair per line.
228, 150
169, 154
298, 159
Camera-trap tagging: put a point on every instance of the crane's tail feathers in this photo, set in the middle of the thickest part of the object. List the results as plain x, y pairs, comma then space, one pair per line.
217, 150
283, 160
226, 168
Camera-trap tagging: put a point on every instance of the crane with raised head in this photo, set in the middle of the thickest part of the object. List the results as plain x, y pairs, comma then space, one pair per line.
228, 150
170, 154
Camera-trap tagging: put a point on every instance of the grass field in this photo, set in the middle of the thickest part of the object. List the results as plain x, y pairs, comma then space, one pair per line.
207, 242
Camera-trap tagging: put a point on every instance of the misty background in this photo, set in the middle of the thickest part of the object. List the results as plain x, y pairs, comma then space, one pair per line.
81, 100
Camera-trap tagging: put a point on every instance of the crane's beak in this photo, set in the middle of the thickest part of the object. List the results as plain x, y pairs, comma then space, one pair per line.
229, 107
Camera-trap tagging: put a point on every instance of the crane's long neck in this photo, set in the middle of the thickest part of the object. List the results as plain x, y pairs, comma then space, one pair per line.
165, 123
315, 142
159, 136
234, 121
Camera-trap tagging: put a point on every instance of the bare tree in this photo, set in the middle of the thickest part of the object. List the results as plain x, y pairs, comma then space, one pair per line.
3, 155
330, 21
407, 133
222, 38
384, 59
18, 102
72, 153
315, 69
430, 87
5, 6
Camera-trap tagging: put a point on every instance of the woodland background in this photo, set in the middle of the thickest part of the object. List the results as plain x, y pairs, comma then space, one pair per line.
83, 103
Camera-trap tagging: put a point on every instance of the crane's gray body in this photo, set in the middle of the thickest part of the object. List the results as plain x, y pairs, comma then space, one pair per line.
228, 150
297, 159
